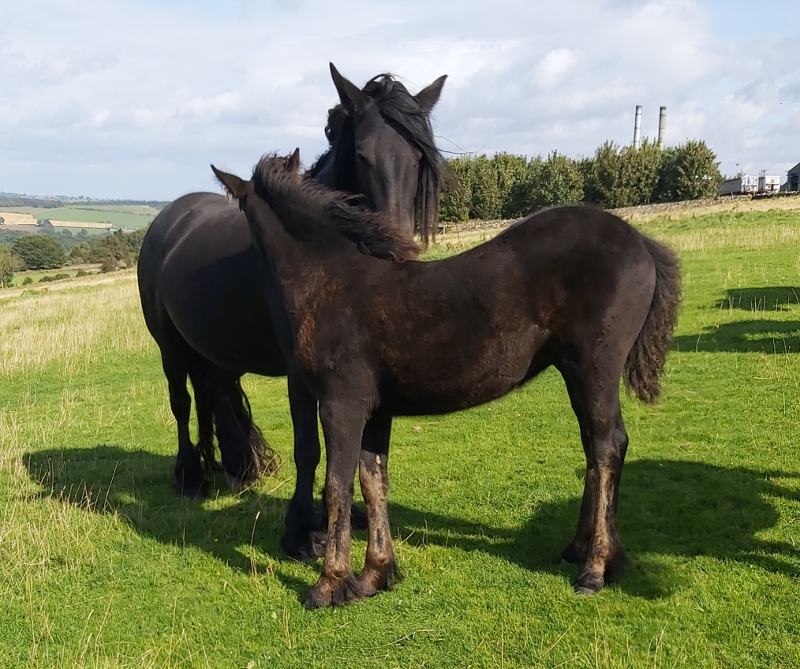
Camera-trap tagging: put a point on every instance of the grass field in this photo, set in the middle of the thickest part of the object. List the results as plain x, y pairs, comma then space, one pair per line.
102, 566
121, 216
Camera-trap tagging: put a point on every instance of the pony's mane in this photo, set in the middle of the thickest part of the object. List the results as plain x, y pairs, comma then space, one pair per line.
403, 112
302, 203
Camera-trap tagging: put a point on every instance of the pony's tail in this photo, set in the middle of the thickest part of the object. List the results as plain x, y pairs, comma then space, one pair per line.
645, 363
245, 453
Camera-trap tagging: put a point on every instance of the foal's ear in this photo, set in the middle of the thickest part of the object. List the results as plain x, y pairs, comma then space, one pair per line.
353, 99
429, 95
233, 184
293, 165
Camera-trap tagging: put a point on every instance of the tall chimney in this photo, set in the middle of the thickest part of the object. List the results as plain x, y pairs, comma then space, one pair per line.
662, 126
637, 128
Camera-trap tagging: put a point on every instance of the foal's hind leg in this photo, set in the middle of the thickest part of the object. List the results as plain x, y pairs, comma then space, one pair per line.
380, 569
608, 442
189, 476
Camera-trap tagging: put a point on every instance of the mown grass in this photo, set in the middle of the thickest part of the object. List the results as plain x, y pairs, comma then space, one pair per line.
102, 566
122, 216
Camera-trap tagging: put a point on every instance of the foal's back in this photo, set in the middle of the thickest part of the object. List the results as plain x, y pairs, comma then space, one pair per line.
448, 334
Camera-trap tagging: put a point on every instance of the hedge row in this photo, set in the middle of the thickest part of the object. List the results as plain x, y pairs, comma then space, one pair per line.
510, 186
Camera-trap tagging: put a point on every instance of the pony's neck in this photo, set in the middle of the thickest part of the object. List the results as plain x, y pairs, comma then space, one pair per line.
294, 262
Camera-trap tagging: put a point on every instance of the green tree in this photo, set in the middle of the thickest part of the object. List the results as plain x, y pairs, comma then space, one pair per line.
134, 240
40, 252
456, 203
547, 182
114, 246
509, 171
10, 263
688, 172
486, 201
623, 177
79, 253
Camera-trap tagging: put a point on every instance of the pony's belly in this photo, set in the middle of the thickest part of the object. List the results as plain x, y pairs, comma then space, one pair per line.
465, 382
243, 351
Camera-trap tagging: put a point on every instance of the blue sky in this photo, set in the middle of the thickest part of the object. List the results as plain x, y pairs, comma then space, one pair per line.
134, 98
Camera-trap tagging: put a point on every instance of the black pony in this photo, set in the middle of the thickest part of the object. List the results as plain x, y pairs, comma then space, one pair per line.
572, 287
201, 284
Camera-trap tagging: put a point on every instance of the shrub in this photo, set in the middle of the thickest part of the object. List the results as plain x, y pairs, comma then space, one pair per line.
108, 264
27, 281
81, 272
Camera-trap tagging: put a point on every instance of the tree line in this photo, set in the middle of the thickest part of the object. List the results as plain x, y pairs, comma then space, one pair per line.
45, 252
510, 186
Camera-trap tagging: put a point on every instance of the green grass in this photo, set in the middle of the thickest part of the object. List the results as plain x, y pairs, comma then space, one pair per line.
121, 216
101, 565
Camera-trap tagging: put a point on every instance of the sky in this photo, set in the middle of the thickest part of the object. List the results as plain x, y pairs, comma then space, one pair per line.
132, 99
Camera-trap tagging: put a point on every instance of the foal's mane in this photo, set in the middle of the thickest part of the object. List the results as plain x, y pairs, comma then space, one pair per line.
403, 112
302, 203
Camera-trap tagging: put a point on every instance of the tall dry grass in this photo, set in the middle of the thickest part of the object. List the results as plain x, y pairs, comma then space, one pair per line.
74, 327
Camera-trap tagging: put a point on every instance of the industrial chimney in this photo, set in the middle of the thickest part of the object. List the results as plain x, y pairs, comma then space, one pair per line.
662, 126
637, 128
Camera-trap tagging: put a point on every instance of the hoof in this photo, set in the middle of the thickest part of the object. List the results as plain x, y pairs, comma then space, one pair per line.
589, 583
372, 581
305, 548
583, 590
329, 592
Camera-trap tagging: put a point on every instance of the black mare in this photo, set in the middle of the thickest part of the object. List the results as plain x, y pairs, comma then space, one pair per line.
572, 287
201, 284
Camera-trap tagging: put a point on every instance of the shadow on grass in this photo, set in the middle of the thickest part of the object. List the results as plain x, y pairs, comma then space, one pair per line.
755, 336
667, 507
750, 336
769, 298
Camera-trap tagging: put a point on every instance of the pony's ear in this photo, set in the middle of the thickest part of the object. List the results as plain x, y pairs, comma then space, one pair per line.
353, 99
233, 184
429, 95
293, 165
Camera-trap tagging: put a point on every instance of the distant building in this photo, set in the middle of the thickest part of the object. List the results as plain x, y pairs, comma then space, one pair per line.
750, 185
742, 185
768, 184
793, 182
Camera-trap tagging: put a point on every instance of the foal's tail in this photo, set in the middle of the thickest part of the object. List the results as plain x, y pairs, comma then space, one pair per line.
245, 453
645, 363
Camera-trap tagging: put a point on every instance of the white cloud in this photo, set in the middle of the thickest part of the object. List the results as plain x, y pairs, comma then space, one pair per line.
133, 98
552, 68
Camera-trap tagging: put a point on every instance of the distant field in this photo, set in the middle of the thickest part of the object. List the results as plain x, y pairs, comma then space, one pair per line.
121, 216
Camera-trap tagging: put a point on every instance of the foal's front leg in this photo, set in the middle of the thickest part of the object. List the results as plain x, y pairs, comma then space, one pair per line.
343, 426
380, 569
